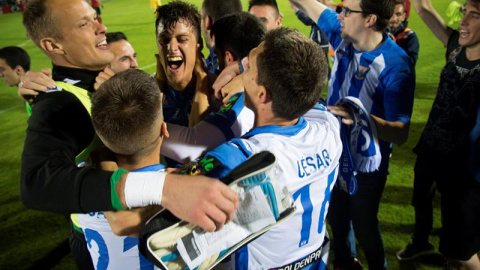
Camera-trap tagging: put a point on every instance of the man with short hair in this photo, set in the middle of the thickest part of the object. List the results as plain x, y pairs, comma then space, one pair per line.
14, 63
372, 68
305, 141
60, 134
405, 37
267, 11
235, 35
211, 11
125, 56
181, 74
450, 132
232, 40
134, 134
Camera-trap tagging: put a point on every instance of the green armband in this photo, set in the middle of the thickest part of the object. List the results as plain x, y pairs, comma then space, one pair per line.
28, 107
117, 205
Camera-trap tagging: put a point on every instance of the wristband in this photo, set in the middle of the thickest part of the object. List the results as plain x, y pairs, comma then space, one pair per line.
144, 188
117, 205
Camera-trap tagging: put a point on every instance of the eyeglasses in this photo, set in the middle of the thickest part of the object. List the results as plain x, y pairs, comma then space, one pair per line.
346, 11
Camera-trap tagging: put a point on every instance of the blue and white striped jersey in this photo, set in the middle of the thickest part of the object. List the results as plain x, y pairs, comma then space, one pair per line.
307, 164
383, 79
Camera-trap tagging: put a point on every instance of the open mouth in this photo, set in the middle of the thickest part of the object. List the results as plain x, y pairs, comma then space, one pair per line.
174, 62
463, 33
102, 45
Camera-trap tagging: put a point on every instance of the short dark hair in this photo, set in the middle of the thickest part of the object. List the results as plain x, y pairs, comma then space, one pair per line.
383, 9
238, 33
476, 3
272, 3
38, 21
219, 8
294, 71
115, 36
15, 56
127, 112
175, 11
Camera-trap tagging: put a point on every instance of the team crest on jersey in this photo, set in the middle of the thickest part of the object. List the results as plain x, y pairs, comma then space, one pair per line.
361, 72
229, 105
202, 166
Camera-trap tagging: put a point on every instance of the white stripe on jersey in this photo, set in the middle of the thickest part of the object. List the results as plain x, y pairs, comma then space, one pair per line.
307, 163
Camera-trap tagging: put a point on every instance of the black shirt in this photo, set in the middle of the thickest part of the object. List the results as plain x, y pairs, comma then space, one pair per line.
58, 130
454, 110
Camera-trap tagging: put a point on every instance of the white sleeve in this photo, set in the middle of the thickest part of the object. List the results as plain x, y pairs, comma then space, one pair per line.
188, 143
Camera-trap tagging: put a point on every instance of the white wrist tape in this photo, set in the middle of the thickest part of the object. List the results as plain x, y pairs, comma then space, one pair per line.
144, 188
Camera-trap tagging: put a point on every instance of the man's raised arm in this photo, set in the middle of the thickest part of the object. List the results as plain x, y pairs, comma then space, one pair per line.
433, 20
312, 8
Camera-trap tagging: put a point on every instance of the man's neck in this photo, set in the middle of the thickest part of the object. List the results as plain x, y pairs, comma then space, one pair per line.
267, 118
368, 42
473, 52
183, 85
129, 163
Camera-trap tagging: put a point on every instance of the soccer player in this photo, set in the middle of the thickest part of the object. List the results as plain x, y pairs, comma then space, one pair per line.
449, 133
124, 56
181, 72
267, 11
235, 35
307, 148
60, 132
371, 67
14, 63
134, 133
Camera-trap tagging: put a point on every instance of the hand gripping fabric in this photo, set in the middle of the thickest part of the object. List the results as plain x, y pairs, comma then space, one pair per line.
361, 150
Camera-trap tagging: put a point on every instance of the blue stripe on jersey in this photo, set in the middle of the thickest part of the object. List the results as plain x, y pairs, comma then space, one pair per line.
383, 79
287, 131
328, 193
230, 155
151, 168
241, 258
226, 117
129, 242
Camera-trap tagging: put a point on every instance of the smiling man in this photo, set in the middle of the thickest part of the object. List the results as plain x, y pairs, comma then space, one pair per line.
448, 132
60, 134
125, 56
181, 72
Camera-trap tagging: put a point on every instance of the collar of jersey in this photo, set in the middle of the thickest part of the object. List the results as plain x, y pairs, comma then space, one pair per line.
285, 131
85, 78
151, 168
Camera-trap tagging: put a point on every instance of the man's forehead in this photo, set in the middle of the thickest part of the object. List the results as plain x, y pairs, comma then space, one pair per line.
473, 5
73, 9
161, 29
352, 3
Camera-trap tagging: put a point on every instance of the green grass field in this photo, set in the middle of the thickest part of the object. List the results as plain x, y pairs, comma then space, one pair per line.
35, 240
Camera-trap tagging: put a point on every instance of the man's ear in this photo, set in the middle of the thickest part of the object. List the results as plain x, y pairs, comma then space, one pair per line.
279, 20
262, 95
19, 70
371, 20
51, 46
229, 58
208, 22
163, 130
